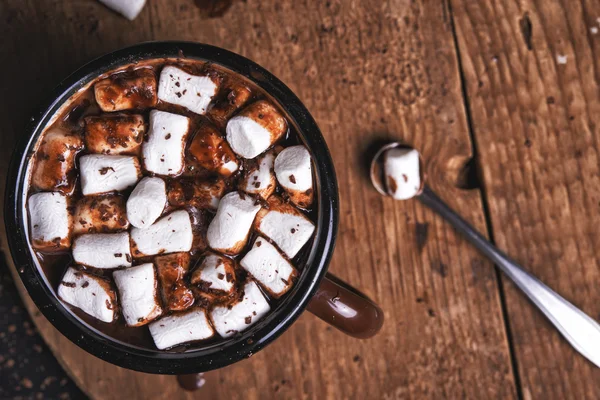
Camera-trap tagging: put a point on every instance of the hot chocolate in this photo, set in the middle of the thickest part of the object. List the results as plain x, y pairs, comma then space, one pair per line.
171, 204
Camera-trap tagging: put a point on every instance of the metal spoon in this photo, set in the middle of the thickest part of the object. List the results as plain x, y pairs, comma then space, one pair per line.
578, 328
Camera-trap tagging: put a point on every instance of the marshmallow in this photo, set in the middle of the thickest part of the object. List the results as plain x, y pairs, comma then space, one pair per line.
232, 100
255, 129
170, 234
190, 91
100, 214
402, 174
171, 269
127, 90
114, 134
146, 202
228, 320
228, 231
138, 294
181, 328
102, 250
163, 150
54, 168
49, 220
259, 179
269, 268
216, 274
91, 294
128, 8
293, 169
103, 174
284, 225
210, 150
197, 193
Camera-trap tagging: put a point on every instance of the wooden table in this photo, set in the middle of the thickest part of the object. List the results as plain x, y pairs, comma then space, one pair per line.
502, 99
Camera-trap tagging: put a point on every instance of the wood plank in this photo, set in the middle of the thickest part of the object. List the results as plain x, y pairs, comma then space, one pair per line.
536, 122
366, 70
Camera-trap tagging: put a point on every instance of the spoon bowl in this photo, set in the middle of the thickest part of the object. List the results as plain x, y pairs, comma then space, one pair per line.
377, 170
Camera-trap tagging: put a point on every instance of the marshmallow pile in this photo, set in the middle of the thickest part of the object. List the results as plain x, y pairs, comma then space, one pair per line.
180, 207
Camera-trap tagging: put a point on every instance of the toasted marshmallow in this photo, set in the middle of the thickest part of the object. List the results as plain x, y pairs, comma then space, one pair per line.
170, 234
181, 328
104, 174
402, 173
293, 169
102, 250
208, 194
127, 90
255, 129
216, 274
228, 231
284, 225
210, 150
50, 221
114, 134
138, 294
190, 91
269, 267
163, 151
198, 193
129, 9
54, 168
260, 179
235, 318
172, 269
233, 99
146, 202
100, 214
91, 294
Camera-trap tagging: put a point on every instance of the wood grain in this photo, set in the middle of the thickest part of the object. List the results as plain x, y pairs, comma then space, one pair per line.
367, 70
536, 123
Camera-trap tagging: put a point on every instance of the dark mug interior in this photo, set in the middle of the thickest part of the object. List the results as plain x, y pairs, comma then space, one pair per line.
223, 352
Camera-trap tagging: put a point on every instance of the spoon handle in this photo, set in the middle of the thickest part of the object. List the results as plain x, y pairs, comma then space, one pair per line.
578, 328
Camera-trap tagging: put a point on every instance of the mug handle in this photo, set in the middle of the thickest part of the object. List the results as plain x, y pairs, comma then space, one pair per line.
346, 309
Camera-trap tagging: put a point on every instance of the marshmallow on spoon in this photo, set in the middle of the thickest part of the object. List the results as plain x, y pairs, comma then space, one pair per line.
170, 234
91, 294
216, 274
181, 328
229, 320
293, 168
100, 214
402, 173
138, 294
193, 92
210, 150
260, 179
114, 134
163, 150
234, 99
229, 229
172, 269
284, 225
55, 161
269, 268
127, 90
255, 129
50, 221
103, 174
102, 250
146, 202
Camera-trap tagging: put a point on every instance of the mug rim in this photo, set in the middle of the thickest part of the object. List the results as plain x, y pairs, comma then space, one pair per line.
225, 351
